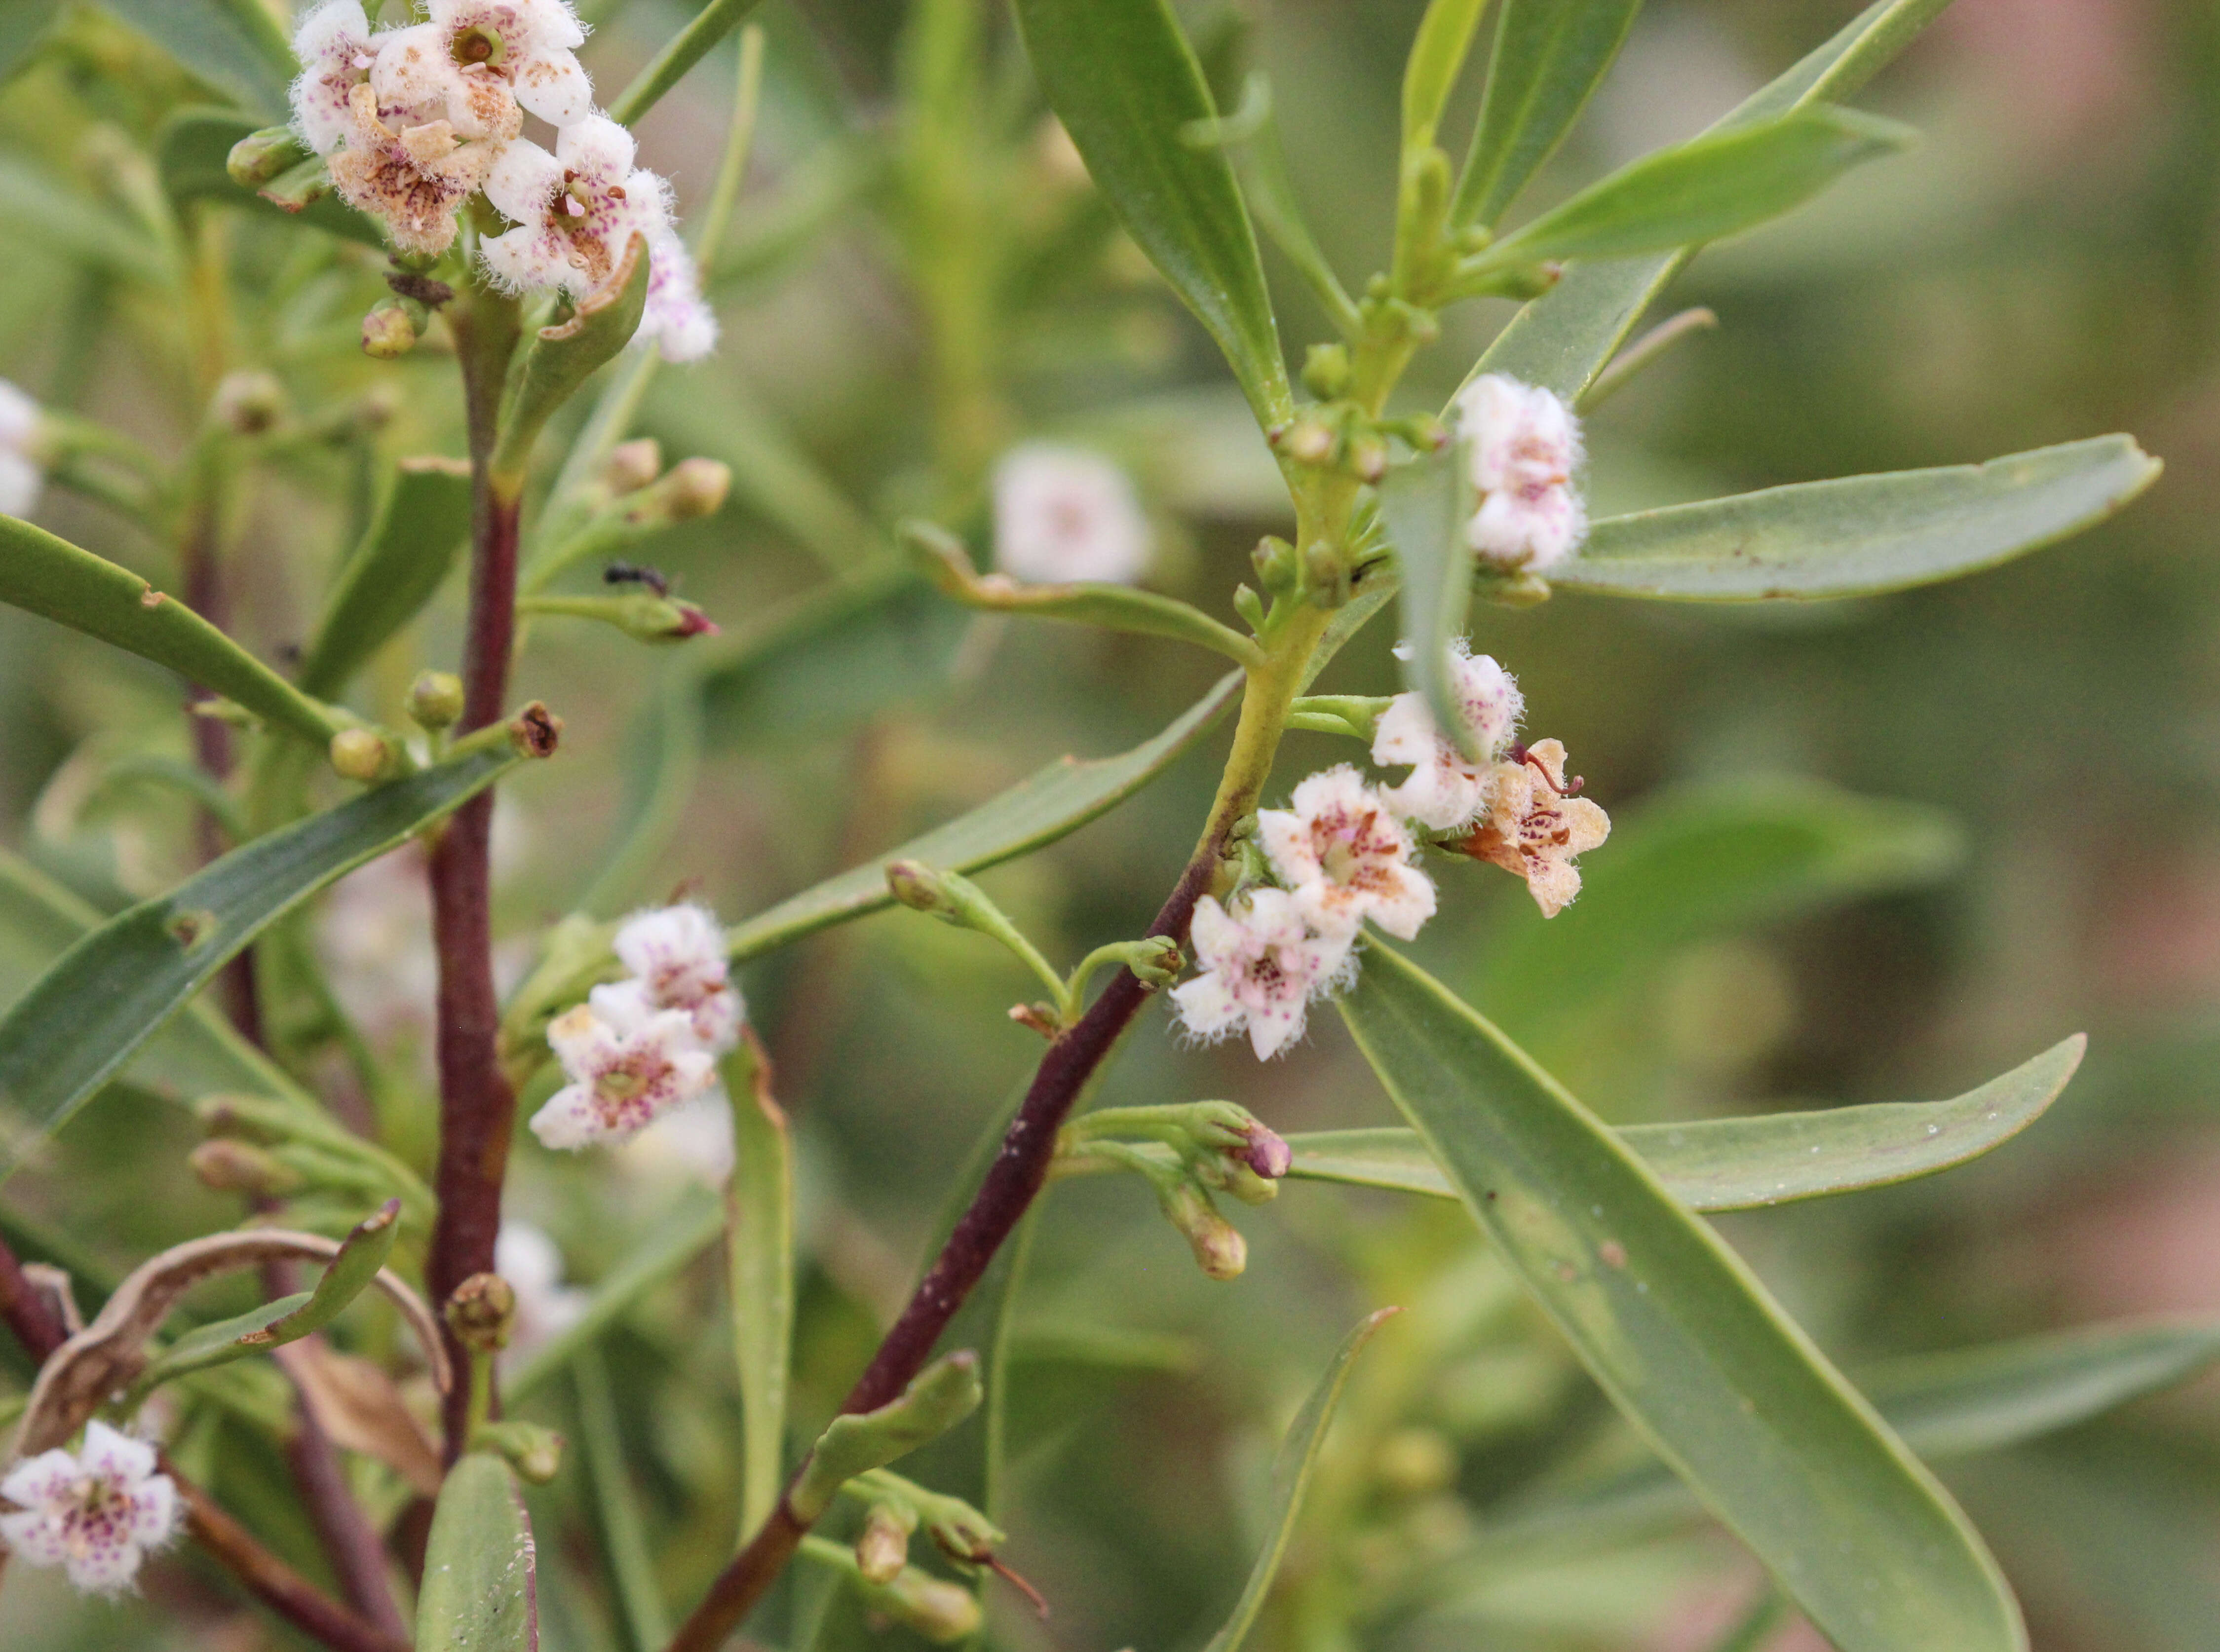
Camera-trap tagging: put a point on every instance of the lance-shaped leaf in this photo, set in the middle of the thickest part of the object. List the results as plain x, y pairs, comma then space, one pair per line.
110, 993
1714, 1164
1712, 186
53, 578
1424, 507
1683, 1337
481, 1588
1438, 54
1124, 82
1563, 339
191, 148
1860, 535
560, 359
943, 560
108, 1355
362, 1254
1549, 56
234, 46
406, 552
1290, 1477
936, 1400
1046, 805
759, 1250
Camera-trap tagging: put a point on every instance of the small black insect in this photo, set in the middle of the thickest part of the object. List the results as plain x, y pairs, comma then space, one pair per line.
633, 573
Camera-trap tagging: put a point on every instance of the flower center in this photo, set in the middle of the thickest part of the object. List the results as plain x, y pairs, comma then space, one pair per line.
478, 45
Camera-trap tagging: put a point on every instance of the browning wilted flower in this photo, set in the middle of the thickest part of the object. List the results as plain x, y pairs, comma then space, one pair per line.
97, 1513
410, 168
1444, 790
628, 1065
1345, 858
1524, 445
1063, 515
676, 955
1535, 828
480, 58
1261, 965
576, 210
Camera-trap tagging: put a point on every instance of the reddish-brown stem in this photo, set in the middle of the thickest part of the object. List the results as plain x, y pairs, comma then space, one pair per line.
277, 1586
1011, 1185
477, 1108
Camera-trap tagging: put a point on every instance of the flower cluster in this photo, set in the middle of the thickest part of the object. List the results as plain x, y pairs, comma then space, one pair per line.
413, 121
1344, 853
639, 1047
1525, 445
97, 1513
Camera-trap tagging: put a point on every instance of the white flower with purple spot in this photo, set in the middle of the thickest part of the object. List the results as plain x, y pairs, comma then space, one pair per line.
1261, 967
676, 956
474, 56
97, 1513
1345, 858
1525, 445
1444, 790
576, 210
337, 47
627, 1064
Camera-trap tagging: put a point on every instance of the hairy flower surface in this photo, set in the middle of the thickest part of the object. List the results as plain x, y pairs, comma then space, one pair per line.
1534, 829
576, 210
545, 1308
677, 317
22, 475
1345, 858
676, 955
477, 57
97, 1513
337, 47
1524, 445
1444, 790
1261, 965
410, 168
627, 1066
1064, 516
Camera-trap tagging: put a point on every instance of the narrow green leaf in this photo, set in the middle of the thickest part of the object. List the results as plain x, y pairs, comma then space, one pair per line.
1710, 187
1124, 82
685, 49
1037, 811
1424, 507
560, 359
233, 45
54, 579
190, 149
759, 1242
480, 1586
1683, 1337
103, 997
1438, 55
692, 1223
1862, 535
1103, 1347
1563, 339
1291, 1476
421, 521
646, 1621
1714, 1164
1549, 56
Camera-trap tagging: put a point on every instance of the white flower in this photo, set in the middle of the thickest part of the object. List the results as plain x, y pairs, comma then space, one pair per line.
409, 167
545, 1308
692, 1142
1063, 515
1261, 967
475, 57
336, 47
677, 317
97, 1513
1444, 791
627, 1066
576, 210
676, 955
1345, 858
1534, 828
1524, 445
22, 471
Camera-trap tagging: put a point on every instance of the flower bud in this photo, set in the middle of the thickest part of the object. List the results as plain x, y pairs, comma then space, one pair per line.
1327, 574
1276, 563
361, 754
247, 403
661, 619
535, 732
260, 156
481, 1312
387, 332
920, 889
690, 489
939, 1611
230, 1166
1220, 1249
1308, 441
298, 187
1326, 372
631, 466
435, 699
1413, 1461
1367, 457
883, 1547
534, 1451
1267, 1152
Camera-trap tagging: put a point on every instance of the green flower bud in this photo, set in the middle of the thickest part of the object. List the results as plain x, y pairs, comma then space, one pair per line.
231, 1166
882, 1546
387, 332
435, 699
361, 754
922, 889
247, 403
690, 489
1326, 372
631, 466
1220, 1249
1276, 562
260, 156
534, 1451
482, 1313
941, 1611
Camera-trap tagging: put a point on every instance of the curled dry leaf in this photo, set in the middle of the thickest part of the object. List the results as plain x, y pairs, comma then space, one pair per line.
110, 1352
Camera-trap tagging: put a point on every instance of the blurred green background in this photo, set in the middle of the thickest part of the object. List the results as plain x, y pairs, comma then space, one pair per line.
2039, 853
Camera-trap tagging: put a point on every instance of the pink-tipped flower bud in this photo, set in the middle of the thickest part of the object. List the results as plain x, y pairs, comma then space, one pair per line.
1268, 1153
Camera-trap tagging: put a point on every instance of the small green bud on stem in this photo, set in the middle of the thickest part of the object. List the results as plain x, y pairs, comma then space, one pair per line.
435, 699
260, 156
362, 754
247, 403
229, 1166
882, 1546
534, 1451
387, 330
631, 466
